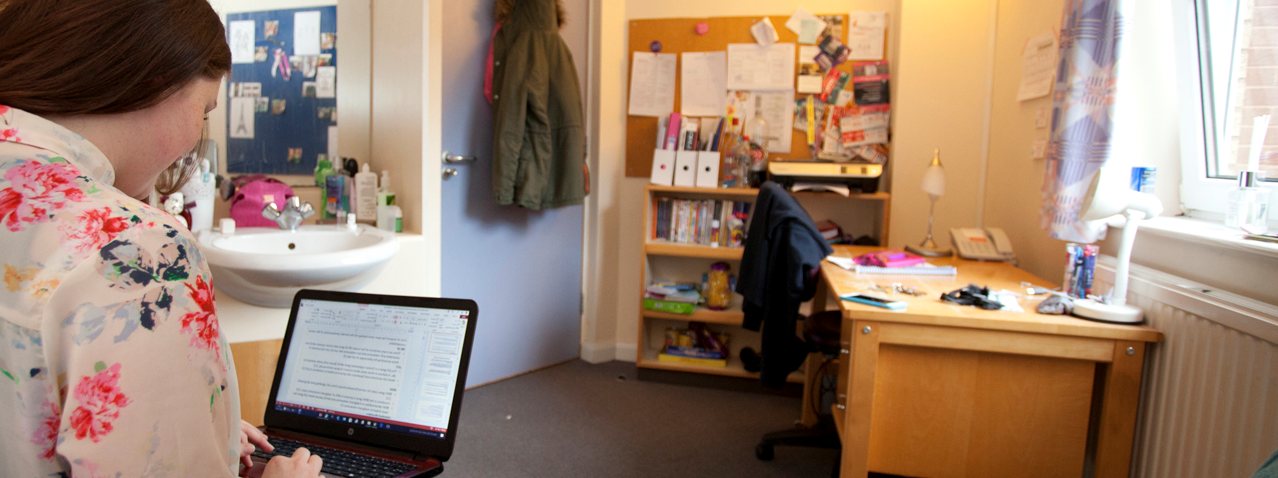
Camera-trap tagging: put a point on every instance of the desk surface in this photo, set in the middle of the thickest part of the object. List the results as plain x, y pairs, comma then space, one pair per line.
942, 389
927, 309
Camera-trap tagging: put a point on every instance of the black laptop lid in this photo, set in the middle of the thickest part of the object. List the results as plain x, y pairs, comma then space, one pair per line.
380, 370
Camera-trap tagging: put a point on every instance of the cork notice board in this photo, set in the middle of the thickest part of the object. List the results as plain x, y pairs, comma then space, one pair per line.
678, 35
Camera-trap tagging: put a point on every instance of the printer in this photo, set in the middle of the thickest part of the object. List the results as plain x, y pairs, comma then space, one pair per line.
861, 176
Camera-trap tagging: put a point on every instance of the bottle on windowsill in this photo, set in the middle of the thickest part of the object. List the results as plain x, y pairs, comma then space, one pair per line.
1248, 204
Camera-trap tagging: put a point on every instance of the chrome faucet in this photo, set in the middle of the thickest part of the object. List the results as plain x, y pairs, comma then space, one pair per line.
292, 216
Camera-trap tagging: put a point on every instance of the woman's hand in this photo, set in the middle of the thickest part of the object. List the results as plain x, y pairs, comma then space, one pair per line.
301, 465
250, 440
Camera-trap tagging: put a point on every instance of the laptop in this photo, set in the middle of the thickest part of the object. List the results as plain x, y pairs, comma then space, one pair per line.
370, 383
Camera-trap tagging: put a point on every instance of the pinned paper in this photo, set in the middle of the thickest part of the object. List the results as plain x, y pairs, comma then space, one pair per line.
242, 117
810, 74
294, 155
281, 65
1038, 67
242, 33
246, 88
308, 89
278, 105
260, 54
764, 33
703, 83
261, 104
833, 53
652, 84
865, 41
270, 28
306, 33
326, 82
328, 40
752, 67
806, 25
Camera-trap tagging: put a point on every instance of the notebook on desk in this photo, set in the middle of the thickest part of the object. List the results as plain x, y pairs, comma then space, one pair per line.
370, 383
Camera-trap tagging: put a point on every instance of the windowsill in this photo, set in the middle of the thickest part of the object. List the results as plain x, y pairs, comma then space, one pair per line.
1205, 252
1206, 232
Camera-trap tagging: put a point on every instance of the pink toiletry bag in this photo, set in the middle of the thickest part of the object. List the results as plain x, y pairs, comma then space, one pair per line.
251, 196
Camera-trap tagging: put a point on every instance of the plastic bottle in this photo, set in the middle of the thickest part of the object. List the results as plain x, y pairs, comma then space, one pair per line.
199, 191
366, 194
324, 169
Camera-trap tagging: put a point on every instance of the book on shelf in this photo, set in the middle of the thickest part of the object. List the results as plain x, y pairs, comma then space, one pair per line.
669, 306
705, 222
670, 355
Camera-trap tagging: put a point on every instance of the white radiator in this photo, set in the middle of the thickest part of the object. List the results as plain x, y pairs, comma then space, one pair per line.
1209, 405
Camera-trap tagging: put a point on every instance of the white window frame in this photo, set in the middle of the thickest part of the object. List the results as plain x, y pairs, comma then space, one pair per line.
1201, 196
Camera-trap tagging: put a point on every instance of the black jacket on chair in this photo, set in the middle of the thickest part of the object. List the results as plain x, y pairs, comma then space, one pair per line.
779, 267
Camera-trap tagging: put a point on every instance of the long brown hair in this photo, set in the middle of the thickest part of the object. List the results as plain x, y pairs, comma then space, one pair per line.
75, 57
84, 57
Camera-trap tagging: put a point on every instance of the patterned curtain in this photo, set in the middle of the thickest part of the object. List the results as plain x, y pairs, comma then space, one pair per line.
1082, 114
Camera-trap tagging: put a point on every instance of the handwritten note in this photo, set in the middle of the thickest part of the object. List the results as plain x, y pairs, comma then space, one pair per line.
242, 35
1038, 67
752, 67
703, 83
652, 84
326, 82
306, 33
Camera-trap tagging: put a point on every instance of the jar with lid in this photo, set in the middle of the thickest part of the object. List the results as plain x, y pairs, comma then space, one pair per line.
718, 293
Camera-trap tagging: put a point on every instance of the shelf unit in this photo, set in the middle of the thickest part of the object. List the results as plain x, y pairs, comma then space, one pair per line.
664, 260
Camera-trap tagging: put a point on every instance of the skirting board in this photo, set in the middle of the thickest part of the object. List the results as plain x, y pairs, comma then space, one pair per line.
600, 352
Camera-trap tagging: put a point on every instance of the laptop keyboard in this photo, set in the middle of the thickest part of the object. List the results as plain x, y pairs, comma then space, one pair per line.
338, 462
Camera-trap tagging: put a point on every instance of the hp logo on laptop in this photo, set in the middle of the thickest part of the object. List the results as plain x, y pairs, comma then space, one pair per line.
350, 431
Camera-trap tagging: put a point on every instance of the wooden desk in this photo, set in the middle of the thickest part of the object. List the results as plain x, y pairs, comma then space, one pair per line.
946, 390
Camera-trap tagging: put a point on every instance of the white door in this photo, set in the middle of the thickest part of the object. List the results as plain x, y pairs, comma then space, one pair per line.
523, 267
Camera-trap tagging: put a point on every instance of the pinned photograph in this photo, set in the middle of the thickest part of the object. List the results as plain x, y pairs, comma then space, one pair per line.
277, 106
295, 61
246, 89
308, 89
270, 28
324, 112
324, 59
294, 155
261, 104
259, 54
328, 40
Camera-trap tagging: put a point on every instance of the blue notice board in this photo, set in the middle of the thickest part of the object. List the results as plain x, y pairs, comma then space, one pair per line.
289, 127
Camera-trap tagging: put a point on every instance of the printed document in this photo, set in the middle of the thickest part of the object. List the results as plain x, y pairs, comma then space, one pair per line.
652, 84
752, 67
703, 83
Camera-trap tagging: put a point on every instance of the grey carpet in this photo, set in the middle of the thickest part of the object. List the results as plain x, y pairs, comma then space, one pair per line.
581, 420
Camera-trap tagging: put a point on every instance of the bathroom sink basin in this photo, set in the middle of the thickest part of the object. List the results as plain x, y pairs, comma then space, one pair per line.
266, 266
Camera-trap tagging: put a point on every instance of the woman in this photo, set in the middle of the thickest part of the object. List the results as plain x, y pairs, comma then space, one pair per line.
111, 358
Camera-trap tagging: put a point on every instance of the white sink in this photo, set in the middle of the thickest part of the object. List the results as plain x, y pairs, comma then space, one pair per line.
266, 266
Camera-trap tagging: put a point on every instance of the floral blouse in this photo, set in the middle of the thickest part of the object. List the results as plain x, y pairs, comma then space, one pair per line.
111, 359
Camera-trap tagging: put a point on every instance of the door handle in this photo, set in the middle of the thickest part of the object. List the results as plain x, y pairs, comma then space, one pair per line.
458, 158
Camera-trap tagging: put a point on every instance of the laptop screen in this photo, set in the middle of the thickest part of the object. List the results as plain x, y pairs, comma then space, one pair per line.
374, 366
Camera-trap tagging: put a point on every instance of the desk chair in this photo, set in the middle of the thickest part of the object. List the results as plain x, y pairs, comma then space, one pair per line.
821, 333
780, 268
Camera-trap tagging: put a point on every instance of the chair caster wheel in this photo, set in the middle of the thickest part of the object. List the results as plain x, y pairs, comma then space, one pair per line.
763, 452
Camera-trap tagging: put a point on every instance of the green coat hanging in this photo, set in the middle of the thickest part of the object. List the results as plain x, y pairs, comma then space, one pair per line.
539, 142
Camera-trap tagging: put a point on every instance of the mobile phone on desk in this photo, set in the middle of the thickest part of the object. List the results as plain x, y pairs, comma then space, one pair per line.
875, 300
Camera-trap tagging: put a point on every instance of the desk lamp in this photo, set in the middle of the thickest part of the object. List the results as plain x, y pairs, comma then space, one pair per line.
1107, 196
934, 185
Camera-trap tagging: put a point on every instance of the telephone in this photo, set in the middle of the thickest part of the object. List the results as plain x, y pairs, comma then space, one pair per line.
989, 244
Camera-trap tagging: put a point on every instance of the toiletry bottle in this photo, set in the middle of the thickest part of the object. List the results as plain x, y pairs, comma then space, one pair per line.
1248, 204
384, 195
199, 192
324, 169
335, 197
366, 194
